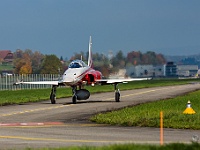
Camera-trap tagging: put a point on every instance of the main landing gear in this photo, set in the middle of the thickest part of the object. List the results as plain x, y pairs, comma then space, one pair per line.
117, 93
81, 94
74, 97
53, 94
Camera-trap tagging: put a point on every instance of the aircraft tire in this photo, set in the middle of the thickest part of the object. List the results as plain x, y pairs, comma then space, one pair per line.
117, 96
53, 98
74, 99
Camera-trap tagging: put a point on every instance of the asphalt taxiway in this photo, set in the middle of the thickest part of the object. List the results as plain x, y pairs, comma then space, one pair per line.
65, 124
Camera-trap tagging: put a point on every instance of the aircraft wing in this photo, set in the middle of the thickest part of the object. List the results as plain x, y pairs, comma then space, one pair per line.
38, 82
113, 81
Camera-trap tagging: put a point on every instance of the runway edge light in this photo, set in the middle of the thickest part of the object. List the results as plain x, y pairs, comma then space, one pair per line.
189, 109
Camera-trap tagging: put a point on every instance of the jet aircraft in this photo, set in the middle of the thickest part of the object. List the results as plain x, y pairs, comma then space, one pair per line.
79, 74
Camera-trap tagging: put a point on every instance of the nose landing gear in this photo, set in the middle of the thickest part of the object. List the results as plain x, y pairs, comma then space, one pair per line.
74, 97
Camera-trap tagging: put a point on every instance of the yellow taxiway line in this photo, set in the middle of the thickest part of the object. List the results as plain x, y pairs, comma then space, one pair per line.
81, 141
34, 110
67, 141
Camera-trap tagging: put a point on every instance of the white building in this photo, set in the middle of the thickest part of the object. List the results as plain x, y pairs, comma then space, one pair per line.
145, 71
161, 70
187, 70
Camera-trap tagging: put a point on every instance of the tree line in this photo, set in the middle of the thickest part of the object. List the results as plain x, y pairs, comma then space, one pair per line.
27, 61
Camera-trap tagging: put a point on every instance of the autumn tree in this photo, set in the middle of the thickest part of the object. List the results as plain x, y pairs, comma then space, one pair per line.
160, 59
134, 57
150, 57
23, 65
32, 58
51, 65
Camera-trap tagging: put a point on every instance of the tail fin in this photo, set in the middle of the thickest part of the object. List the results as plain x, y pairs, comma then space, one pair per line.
90, 63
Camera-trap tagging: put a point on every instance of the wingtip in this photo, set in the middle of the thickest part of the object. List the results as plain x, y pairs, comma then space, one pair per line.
17, 83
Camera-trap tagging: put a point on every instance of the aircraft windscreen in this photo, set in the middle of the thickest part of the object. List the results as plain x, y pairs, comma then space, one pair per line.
77, 64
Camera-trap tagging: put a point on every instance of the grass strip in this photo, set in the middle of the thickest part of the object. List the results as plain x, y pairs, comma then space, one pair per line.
173, 146
147, 115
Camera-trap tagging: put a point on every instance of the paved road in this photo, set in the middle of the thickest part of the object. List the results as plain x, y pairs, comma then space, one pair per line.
64, 124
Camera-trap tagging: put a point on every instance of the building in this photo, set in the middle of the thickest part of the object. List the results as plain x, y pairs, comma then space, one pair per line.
145, 71
170, 69
158, 71
6, 57
187, 70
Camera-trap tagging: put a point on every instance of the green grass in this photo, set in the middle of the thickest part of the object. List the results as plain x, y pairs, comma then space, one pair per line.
31, 95
148, 115
173, 146
6, 67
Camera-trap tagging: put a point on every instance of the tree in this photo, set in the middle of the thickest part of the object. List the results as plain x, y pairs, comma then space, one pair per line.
33, 59
80, 55
134, 57
137, 58
18, 53
25, 69
119, 60
160, 59
23, 65
61, 58
51, 65
37, 59
151, 57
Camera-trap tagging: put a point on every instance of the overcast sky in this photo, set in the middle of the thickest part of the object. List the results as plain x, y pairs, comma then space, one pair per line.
63, 27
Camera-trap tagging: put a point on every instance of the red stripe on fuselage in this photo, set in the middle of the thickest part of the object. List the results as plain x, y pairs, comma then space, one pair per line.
85, 72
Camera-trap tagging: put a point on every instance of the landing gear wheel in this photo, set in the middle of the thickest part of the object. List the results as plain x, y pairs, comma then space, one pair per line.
74, 98
53, 98
53, 94
117, 96
117, 93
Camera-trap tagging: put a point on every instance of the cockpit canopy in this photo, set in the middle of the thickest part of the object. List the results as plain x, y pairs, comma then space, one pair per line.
77, 64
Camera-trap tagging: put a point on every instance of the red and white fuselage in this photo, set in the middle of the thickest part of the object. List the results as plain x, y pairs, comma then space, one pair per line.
79, 73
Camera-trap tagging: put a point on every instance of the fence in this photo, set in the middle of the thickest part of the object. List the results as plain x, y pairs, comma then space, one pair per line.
6, 81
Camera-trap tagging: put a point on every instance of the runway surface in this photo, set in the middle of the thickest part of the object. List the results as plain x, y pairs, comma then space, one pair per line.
65, 124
